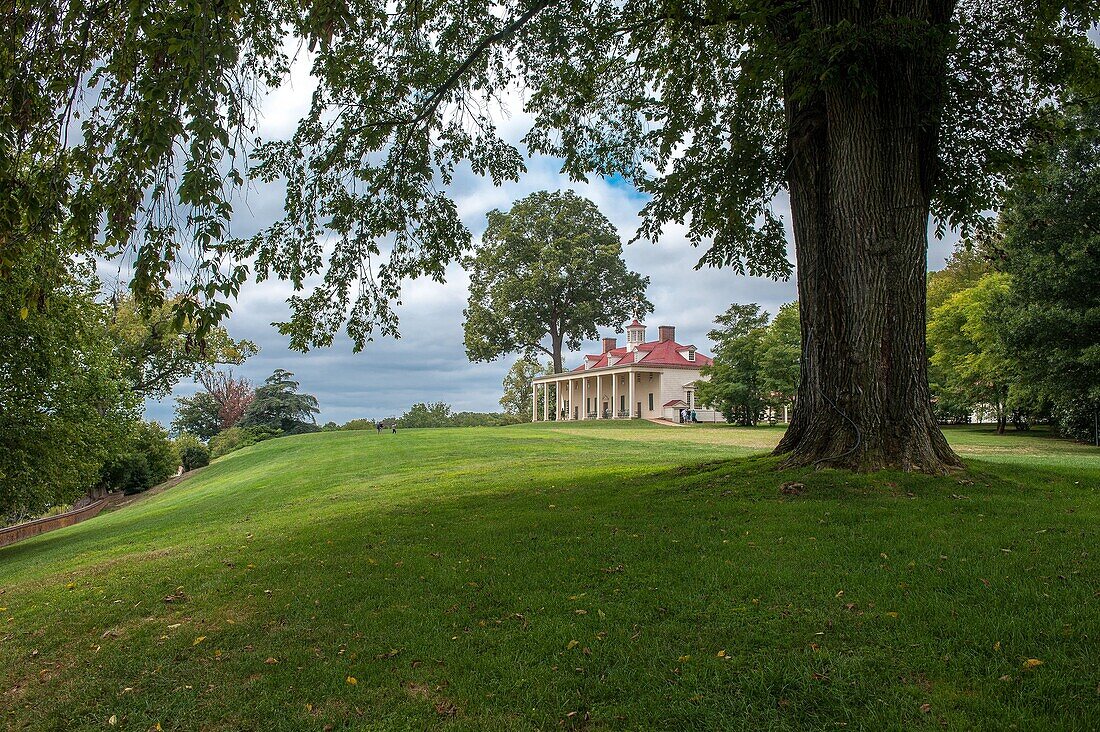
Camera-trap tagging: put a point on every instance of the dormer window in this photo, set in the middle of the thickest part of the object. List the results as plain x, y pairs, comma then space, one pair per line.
691, 354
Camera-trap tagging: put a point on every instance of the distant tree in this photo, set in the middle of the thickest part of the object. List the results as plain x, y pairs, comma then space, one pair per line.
970, 359
359, 424
1051, 250
780, 358
432, 414
157, 350
482, 419
278, 405
233, 395
193, 453
198, 415
546, 276
516, 400
735, 385
963, 269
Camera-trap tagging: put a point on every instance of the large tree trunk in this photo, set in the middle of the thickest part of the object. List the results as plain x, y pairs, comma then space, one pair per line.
862, 166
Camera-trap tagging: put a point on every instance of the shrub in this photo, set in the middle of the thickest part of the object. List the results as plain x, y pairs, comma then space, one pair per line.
236, 438
149, 459
302, 428
193, 454
230, 440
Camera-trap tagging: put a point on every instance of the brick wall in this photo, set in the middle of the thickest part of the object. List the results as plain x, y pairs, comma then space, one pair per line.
12, 534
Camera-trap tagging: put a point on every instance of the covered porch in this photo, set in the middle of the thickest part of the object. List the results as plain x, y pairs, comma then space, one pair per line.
628, 393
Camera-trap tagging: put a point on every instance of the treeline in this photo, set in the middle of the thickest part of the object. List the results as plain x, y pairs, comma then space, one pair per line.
76, 363
440, 414
1014, 318
229, 414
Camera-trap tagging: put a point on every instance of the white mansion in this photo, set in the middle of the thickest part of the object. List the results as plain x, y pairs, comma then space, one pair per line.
644, 379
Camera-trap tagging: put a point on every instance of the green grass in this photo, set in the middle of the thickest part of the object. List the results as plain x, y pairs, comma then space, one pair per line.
590, 576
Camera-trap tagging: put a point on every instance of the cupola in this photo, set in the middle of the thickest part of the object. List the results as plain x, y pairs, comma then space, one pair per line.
635, 335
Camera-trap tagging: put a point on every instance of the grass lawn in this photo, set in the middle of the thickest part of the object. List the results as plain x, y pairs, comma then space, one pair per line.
587, 576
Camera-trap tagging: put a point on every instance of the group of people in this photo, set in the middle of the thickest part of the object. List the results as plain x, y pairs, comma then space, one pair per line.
380, 425
688, 415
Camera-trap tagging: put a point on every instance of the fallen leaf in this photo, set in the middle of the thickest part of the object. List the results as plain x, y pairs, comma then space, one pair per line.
683, 659
997, 646
198, 640
925, 708
891, 615
271, 661
113, 720
572, 644
1032, 663
722, 654
352, 680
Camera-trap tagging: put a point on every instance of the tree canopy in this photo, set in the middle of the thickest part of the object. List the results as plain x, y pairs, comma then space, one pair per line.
870, 116
277, 405
756, 363
158, 351
547, 274
686, 101
1051, 251
968, 352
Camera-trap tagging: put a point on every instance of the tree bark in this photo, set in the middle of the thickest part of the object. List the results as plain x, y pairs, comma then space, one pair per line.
862, 165
555, 348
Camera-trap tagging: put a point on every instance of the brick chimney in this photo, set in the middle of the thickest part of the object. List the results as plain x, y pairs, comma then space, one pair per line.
666, 333
608, 344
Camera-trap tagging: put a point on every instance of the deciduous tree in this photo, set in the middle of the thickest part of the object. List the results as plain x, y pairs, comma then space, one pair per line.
976, 370
870, 115
516, 400
1051, 250
735, 380
158, 351
65, 404
548, 274
198, 415
233, 395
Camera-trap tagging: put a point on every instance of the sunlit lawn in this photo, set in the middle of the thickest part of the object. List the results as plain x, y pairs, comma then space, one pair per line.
584, 576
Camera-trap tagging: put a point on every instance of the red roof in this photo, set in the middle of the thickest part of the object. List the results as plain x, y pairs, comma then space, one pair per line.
676, 403
635, 324
653, 353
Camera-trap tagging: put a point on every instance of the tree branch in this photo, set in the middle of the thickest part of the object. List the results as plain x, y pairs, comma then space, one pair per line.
431, 104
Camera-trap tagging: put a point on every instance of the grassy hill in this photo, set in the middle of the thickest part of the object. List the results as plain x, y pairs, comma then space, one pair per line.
589, 576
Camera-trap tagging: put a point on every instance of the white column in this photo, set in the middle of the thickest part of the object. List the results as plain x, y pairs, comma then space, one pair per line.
546, 401
630, 407
584, 396
534, 401
614, 396
599, 406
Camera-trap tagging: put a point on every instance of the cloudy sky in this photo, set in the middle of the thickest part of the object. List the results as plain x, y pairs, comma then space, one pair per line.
429, 363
